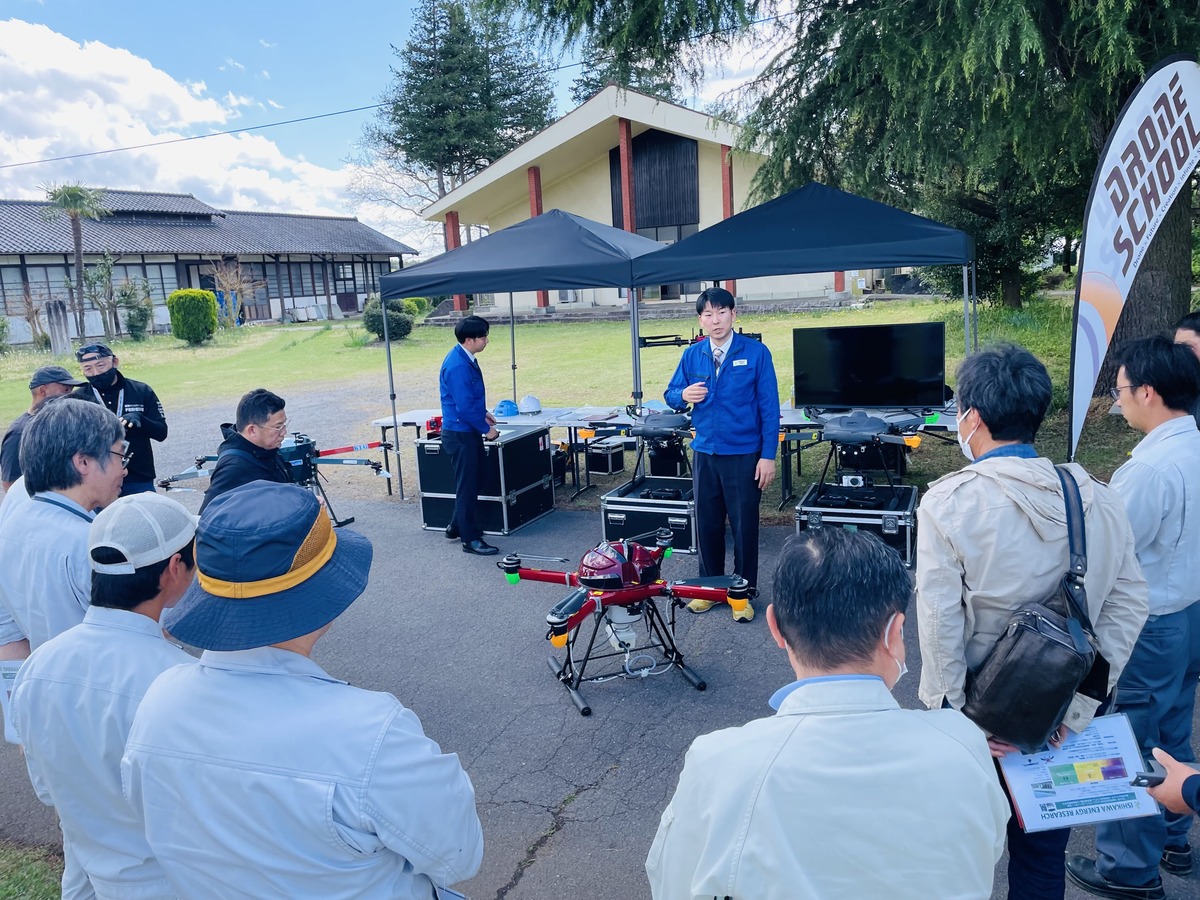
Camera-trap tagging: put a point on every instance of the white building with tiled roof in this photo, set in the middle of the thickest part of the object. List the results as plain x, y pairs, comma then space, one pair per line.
305, 263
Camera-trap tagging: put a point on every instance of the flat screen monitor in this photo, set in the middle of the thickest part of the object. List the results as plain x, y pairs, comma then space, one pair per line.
870, 366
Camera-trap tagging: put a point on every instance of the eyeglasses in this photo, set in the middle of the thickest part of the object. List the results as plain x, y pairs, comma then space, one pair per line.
1115, 392
125, 456
282, 427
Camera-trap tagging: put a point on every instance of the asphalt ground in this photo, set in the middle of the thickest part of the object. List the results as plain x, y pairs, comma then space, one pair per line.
569, 804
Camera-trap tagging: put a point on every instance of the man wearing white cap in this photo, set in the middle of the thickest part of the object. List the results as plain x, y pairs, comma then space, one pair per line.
75, 697
258, 774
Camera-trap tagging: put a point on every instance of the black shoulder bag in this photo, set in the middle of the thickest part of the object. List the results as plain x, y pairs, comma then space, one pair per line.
1046, 654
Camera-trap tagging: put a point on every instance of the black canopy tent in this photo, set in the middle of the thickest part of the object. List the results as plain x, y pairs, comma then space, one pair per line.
814, 228
553, 251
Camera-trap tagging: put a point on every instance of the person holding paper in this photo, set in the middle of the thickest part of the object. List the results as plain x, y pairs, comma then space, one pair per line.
992, 537
841, 795
1158, 383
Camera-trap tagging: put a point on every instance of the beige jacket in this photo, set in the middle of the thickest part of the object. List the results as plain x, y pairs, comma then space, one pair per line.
993, 536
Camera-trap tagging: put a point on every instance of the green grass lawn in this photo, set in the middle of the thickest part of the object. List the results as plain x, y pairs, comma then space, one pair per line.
29, 873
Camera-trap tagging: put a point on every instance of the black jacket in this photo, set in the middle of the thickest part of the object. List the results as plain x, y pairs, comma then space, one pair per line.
140, 406
249, 463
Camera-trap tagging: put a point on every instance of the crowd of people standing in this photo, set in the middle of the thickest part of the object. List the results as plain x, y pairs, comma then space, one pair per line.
250, 771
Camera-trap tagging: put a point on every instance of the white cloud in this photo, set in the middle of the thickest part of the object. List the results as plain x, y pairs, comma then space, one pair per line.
63, 98
231, 63
265, 44
273, 104
265, 74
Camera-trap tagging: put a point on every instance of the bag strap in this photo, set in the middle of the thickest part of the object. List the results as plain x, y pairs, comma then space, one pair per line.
1076, 546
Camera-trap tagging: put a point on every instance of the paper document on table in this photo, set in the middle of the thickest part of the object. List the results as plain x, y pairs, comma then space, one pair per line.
1085, 780
8, 675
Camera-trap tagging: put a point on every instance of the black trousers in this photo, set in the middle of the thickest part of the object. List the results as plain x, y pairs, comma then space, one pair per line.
724, 488
466, 452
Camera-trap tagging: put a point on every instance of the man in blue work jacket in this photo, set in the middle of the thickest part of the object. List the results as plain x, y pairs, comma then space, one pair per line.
730, 381
466, 423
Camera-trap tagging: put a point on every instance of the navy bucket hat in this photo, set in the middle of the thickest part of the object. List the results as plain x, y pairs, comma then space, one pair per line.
269, 568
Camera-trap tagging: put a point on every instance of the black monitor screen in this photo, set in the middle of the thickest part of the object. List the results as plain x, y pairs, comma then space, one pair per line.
870, 366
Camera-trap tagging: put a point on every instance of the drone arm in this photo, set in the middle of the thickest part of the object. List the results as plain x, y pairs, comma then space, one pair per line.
547, 575
699, 592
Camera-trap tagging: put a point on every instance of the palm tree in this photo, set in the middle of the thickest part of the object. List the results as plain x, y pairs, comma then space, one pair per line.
77, 202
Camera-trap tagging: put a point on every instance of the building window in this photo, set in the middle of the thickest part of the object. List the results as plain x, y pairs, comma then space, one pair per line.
48, 283
12, 292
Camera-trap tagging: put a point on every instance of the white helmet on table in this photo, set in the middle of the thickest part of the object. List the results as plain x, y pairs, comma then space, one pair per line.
529, 404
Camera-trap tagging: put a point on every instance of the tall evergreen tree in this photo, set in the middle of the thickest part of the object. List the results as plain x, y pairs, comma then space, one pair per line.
464, 92
654, 78
1003, 105
77, 202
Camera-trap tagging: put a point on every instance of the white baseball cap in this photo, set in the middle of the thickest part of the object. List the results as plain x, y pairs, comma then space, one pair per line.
144, 528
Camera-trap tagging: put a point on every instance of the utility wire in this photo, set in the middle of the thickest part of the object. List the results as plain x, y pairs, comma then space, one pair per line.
313, 118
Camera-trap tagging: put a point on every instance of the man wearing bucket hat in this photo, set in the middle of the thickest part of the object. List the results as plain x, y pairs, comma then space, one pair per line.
258, 774
75, 697
47, 382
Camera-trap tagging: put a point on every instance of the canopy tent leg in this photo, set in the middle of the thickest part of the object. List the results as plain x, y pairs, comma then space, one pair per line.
634, 333
974, 305
512, 333
966, 312
387, 343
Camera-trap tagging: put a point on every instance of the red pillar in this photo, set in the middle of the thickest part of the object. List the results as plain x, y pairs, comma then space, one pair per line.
453, 241
727, 199
629, 220
535, 209
839, 281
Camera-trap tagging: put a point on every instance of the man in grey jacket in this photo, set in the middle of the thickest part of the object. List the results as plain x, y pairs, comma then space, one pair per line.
992, 537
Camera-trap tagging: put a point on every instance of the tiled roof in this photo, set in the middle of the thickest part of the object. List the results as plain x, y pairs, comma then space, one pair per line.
142, 201
25, 229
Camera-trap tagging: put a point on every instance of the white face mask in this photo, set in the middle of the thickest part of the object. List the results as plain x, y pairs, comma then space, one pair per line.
964, 444
901, 667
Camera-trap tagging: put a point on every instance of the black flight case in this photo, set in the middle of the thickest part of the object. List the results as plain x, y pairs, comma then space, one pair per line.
516, 486
890, 513
646, 504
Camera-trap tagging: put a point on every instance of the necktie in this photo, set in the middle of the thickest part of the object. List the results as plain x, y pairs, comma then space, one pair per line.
718, 355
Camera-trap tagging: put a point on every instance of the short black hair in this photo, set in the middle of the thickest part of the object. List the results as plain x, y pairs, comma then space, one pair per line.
128, 591
1171, 369
63, 427
1191, 322
1010, 389
471, 327
718, 297
834, 591
256, 407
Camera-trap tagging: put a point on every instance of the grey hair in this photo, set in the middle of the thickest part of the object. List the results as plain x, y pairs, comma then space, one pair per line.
63, 427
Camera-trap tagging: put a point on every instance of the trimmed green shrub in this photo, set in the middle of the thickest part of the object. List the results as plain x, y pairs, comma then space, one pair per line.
416, 306
3, 335
134, 298
193, 315
400, 324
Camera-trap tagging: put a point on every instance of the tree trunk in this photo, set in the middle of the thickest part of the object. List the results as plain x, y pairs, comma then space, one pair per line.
1067, 251
77, 239
1010, 286
1161, 292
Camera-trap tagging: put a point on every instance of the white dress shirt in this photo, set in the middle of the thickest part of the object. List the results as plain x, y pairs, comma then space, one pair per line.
14, 498
840, 796
49, 590
1160, 485
73, 703
259, 775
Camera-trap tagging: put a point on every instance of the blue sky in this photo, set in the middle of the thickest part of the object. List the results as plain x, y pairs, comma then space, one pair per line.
80, 76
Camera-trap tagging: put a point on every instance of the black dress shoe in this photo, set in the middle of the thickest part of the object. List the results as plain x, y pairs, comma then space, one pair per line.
451, 531
1177, 860
479, 548
1082, 871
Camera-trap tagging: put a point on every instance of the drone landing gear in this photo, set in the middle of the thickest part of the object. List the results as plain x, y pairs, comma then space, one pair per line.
661, 632
319, 490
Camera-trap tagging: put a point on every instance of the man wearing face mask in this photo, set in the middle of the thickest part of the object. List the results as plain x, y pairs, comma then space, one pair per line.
783, 806
992, 537
134, 403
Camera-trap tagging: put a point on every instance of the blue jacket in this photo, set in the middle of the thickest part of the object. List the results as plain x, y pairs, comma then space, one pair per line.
464, 402
741, 412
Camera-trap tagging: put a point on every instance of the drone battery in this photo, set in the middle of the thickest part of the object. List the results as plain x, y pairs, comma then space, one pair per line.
516, 485
647, 504
606, 456
892, 515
